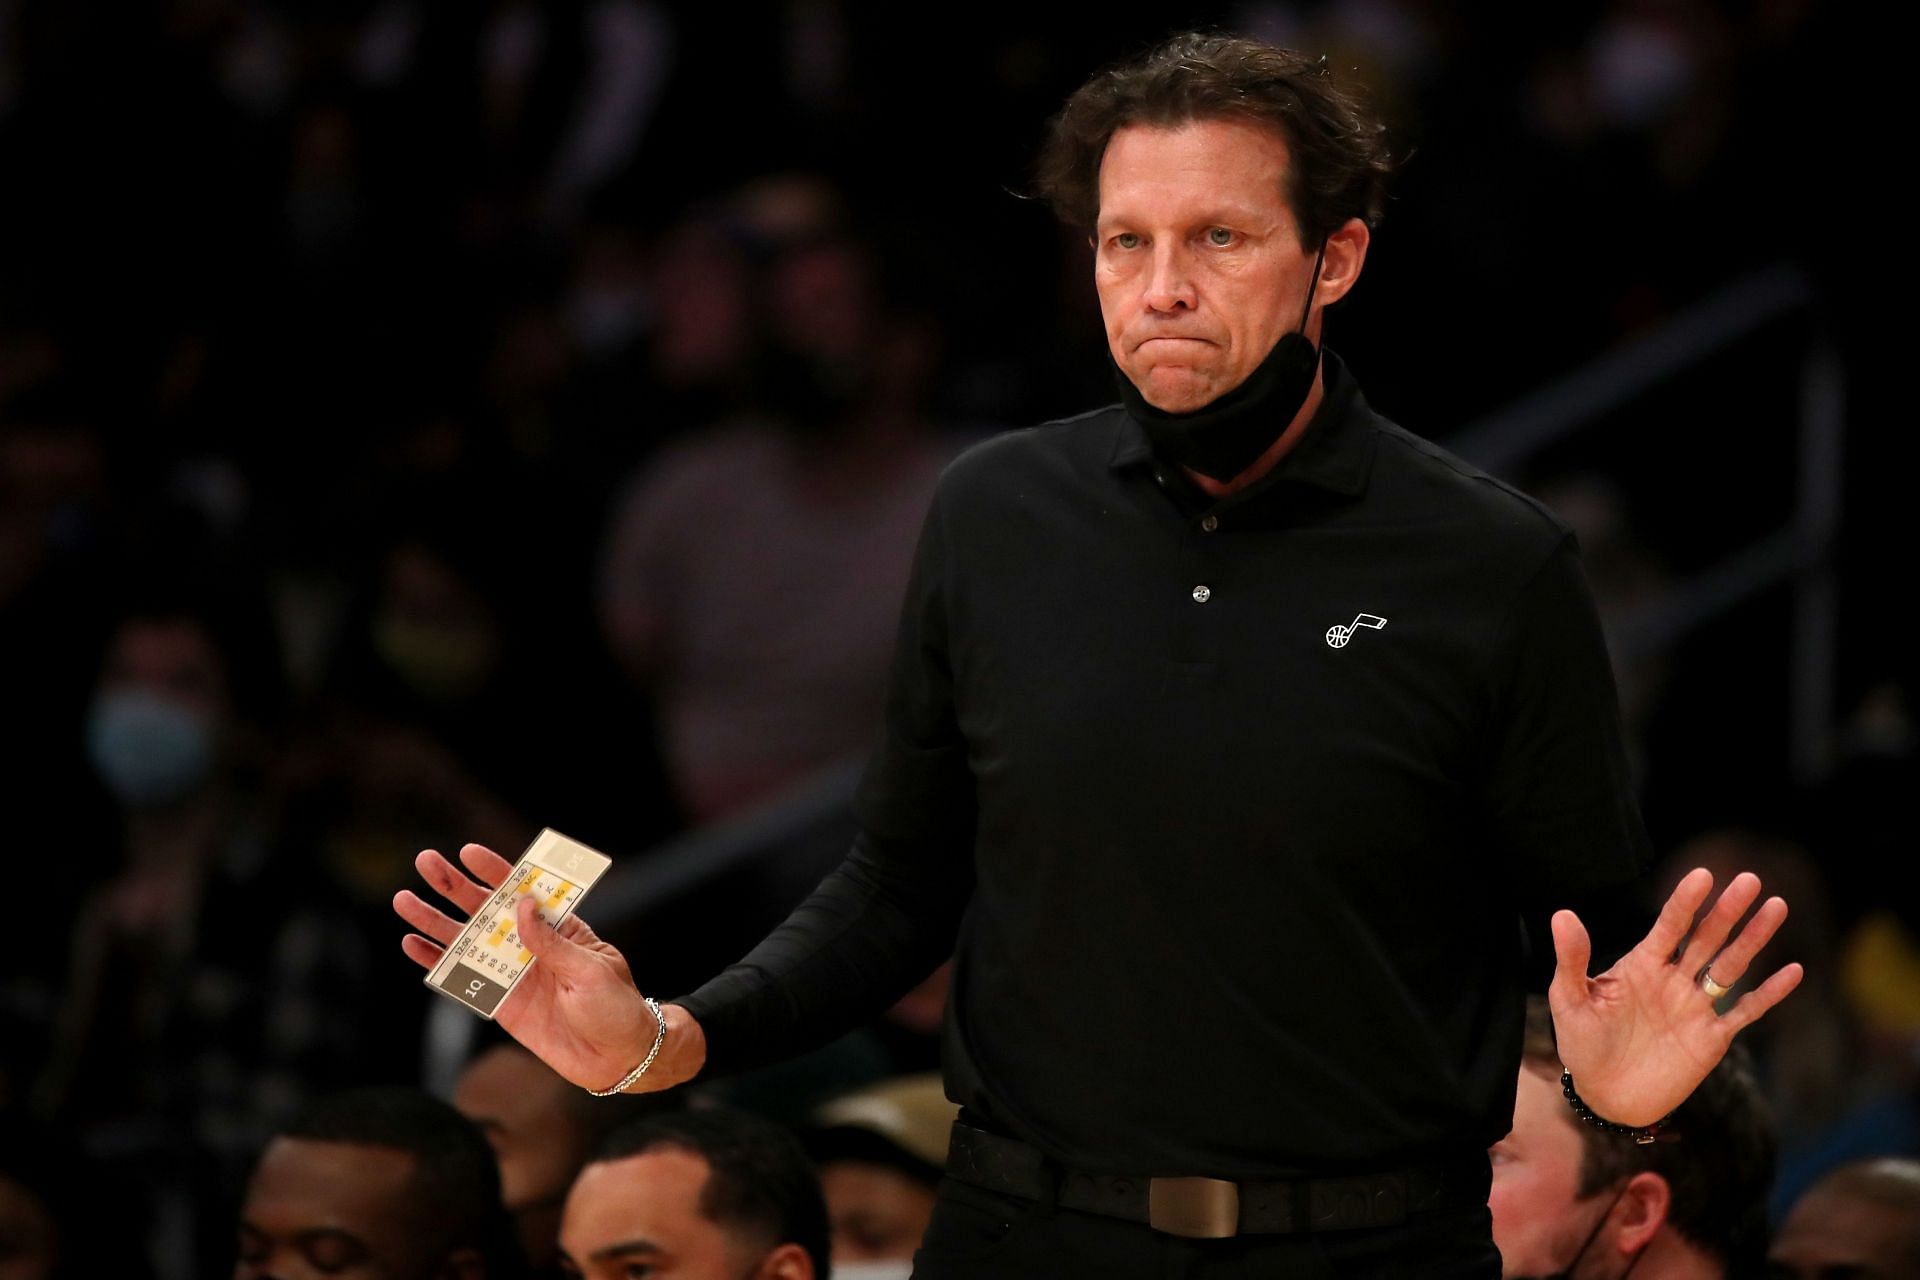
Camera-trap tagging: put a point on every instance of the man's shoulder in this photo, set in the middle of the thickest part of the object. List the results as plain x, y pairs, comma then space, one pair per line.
1060, 447
1416, 470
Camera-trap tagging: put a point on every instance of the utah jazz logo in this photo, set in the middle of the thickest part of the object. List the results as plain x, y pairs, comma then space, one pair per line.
1337, 635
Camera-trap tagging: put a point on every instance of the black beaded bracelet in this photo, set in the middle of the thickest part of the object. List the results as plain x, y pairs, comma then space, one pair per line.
1643, 1136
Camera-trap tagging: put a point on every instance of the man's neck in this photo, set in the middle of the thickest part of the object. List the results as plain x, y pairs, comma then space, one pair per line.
1279, 449
1671, 1256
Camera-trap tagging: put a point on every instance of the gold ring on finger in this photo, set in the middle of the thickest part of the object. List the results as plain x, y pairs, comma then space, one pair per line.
1708, 985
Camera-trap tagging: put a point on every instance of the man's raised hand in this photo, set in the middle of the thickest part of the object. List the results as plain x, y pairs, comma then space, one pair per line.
577, 1008
1642, 1035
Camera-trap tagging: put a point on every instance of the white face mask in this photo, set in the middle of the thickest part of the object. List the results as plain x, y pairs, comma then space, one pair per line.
149, 749
899, 1269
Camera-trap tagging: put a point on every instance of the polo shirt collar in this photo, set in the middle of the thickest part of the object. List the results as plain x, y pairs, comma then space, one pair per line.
1334, 453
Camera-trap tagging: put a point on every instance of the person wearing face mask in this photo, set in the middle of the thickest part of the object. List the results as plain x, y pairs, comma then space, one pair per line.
880, 1150
1233, 734
1571, 1202
200, 954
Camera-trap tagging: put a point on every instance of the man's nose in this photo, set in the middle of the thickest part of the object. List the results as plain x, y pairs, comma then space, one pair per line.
1171, 286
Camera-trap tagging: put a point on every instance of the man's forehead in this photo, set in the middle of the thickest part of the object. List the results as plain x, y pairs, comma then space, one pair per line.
332, 1177
1540, 1105
1835, 1227
653, 1196
508, 1085
1232, 164
675, 1176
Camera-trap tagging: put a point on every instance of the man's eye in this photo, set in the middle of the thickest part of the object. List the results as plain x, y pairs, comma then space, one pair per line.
1220, 236
1127, 240
332, 1254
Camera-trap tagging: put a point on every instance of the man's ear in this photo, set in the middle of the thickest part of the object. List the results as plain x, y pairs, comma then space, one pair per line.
1346, 254
788, 1262
463, 1264
1642, 1211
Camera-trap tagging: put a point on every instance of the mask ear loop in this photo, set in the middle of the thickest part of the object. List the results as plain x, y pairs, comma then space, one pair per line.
1313, 286
1595, 1235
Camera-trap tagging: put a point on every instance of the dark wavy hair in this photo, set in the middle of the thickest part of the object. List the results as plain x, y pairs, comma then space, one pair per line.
1340, 160
760, 1184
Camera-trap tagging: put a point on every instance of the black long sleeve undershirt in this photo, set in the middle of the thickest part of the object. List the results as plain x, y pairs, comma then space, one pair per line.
864, 938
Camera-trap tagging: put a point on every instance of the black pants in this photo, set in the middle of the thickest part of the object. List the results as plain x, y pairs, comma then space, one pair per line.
977, 1234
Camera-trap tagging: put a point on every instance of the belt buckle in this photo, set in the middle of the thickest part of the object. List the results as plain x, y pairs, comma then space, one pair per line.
1197, 1208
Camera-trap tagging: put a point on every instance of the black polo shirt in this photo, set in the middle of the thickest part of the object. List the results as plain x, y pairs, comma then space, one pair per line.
1231, 808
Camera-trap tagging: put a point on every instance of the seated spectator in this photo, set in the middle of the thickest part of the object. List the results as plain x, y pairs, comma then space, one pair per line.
384, 1182
880, 1152
1860, 1222
211, 953
542, 1129
1570, 1200
50, 1197
697, 1195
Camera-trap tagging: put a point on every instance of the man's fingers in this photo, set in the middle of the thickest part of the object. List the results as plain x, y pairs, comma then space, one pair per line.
485, 863
1711, 933
1748, 1009
1677, 916
449, 881
1572, 950
1730, 965
420, 951
540, 937
433, 922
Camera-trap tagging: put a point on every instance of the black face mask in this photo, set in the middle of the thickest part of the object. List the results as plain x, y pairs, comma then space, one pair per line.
1222, 439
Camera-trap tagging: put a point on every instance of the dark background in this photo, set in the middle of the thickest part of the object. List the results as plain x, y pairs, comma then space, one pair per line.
284, 287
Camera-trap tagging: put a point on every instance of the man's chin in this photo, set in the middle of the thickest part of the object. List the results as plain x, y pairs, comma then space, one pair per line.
1176, 391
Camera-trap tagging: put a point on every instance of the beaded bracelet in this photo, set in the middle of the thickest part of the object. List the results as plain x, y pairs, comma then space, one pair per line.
1643, 1136
659, 1038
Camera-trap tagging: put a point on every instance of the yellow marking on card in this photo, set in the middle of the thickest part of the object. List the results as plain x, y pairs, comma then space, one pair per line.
487, 959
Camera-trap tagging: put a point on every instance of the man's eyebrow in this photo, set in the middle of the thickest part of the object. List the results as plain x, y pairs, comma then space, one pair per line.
1234, 214
330, 1233
625, 1246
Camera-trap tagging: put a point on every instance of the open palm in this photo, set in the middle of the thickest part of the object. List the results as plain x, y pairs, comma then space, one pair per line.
576, 1007
1641, 1036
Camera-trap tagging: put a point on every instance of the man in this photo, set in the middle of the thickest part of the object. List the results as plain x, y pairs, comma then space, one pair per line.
380, 1182
542, 1131
1230, 730
879, 1151
697, 1195
1569, 1200
1860, 1222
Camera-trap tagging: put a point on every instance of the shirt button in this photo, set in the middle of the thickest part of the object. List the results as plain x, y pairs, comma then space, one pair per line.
1209, 523
1202, 593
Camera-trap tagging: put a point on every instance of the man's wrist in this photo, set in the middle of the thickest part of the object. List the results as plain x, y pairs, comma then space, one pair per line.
682, 1053
1641, 1134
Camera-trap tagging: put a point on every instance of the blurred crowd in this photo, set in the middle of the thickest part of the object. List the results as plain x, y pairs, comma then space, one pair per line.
428, 423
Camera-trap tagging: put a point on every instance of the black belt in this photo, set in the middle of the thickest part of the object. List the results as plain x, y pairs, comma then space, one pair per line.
1213, 1208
